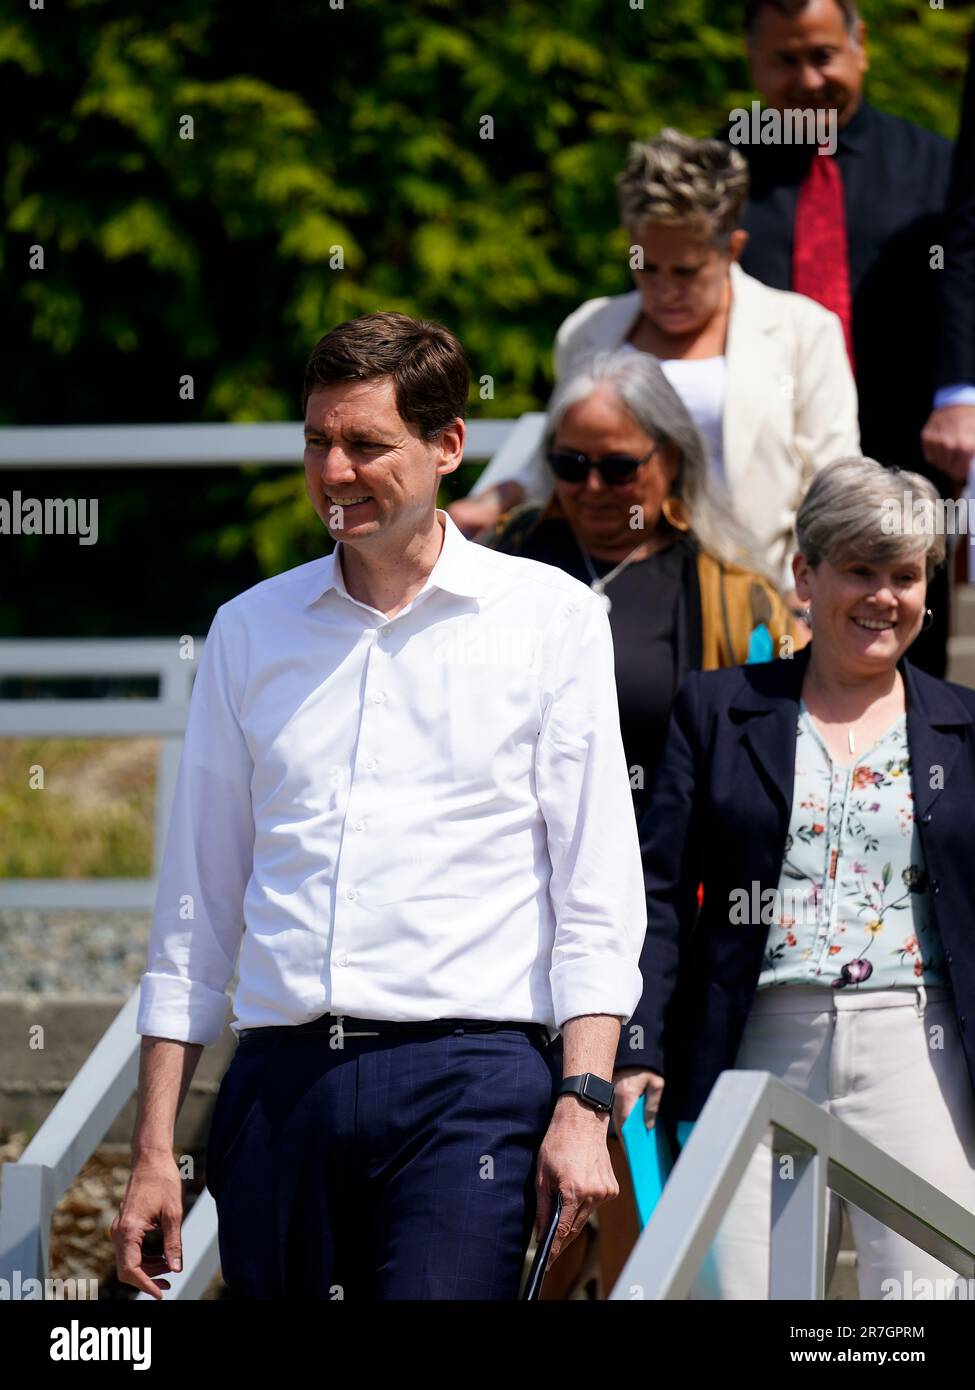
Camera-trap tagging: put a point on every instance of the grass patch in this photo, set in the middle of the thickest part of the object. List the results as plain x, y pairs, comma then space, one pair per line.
93, 817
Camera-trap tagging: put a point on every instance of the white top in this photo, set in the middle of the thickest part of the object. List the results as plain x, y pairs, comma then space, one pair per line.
416, 817
701, 384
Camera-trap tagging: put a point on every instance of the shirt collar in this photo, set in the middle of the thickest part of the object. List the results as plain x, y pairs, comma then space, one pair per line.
457, 570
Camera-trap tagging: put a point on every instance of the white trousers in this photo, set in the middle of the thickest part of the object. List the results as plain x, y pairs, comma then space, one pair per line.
891, 1065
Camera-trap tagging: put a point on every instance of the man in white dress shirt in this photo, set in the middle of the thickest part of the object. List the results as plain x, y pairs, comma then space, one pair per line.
403, 802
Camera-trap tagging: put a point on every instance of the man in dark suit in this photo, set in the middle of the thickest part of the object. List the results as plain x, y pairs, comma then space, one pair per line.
857, 231
949, 435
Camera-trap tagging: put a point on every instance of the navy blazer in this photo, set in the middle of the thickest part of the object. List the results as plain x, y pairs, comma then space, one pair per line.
719, 816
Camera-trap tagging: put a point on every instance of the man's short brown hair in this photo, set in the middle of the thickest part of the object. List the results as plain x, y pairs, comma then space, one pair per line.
425, 361
790, 8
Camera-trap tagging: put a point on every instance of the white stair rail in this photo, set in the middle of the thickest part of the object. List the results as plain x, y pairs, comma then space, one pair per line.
187, 446
826, 1153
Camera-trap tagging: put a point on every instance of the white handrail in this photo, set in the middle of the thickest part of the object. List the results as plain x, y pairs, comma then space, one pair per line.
187, 446
172, 662
826, 1153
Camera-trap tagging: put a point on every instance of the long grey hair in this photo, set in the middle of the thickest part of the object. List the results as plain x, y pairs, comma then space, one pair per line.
639, 381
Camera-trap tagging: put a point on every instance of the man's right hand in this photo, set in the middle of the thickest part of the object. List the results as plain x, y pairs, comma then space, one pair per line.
631, 1083
153, 1201
948, 440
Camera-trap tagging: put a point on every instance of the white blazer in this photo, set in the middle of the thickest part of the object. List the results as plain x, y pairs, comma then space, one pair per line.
790, 403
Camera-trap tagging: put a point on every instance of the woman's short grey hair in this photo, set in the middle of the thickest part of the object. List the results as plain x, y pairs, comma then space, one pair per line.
679, 180
855, 509
647, 395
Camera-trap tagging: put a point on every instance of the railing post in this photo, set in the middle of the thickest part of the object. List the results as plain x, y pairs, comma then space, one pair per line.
26, 1205
797, 1253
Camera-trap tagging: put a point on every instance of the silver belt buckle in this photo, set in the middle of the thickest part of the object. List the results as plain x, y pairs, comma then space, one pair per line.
344, 1033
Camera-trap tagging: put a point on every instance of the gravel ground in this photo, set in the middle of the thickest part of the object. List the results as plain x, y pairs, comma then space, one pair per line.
72, 952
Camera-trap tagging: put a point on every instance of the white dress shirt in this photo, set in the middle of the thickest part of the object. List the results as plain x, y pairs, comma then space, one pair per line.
407, 818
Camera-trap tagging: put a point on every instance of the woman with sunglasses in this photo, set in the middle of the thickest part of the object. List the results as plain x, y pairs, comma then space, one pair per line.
763, 373
638, 516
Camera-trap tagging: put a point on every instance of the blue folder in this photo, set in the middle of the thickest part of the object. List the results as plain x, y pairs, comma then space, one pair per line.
760, 645
648, 1154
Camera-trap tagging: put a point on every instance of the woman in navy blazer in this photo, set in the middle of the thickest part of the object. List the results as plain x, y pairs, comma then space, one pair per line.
723, 820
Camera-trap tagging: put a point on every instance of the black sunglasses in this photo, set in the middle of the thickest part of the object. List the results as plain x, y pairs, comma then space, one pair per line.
614, 469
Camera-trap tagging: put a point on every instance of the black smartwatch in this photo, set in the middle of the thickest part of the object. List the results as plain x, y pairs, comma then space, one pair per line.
591, 1090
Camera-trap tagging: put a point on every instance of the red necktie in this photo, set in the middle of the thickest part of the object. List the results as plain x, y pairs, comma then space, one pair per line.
820, 252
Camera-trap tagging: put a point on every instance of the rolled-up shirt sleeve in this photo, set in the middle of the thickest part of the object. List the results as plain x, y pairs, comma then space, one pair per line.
583, 789
207, 861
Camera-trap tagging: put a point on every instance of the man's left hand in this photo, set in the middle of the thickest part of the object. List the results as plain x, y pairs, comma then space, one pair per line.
948, 440
573, 1160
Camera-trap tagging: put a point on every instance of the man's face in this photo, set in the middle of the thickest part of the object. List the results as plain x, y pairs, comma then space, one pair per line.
809, 61
368, 472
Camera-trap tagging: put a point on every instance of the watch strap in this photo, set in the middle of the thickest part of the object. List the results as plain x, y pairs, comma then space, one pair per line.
592, 1090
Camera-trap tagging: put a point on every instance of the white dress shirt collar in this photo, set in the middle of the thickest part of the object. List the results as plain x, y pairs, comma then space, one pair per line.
458, 569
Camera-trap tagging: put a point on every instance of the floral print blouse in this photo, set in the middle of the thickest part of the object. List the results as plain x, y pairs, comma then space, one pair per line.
853, 910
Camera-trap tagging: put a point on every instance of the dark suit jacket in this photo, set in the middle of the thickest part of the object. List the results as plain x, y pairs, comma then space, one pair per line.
957, 280
896, 176
719, 815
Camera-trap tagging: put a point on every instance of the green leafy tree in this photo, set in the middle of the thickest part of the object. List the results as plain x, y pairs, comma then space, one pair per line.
453, 160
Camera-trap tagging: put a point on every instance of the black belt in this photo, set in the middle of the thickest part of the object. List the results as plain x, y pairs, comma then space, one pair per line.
328, 1025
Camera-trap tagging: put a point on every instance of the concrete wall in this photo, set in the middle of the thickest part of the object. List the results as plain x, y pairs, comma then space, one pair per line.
32, 1080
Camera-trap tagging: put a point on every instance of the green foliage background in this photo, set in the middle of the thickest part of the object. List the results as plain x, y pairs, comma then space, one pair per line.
317, 127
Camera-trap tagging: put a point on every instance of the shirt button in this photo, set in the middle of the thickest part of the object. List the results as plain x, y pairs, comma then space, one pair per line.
351, 894
379, 697
370, 764
359, 825
936, 885
386, 631
342, 960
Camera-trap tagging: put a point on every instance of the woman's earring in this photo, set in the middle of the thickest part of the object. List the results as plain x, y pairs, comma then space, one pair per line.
928, 619
673, 510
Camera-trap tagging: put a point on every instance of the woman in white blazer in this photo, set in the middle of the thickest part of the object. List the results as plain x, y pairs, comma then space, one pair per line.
764, 373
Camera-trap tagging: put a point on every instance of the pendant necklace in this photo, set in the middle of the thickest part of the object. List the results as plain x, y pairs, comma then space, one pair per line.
597, 585
851, 743
849, 731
